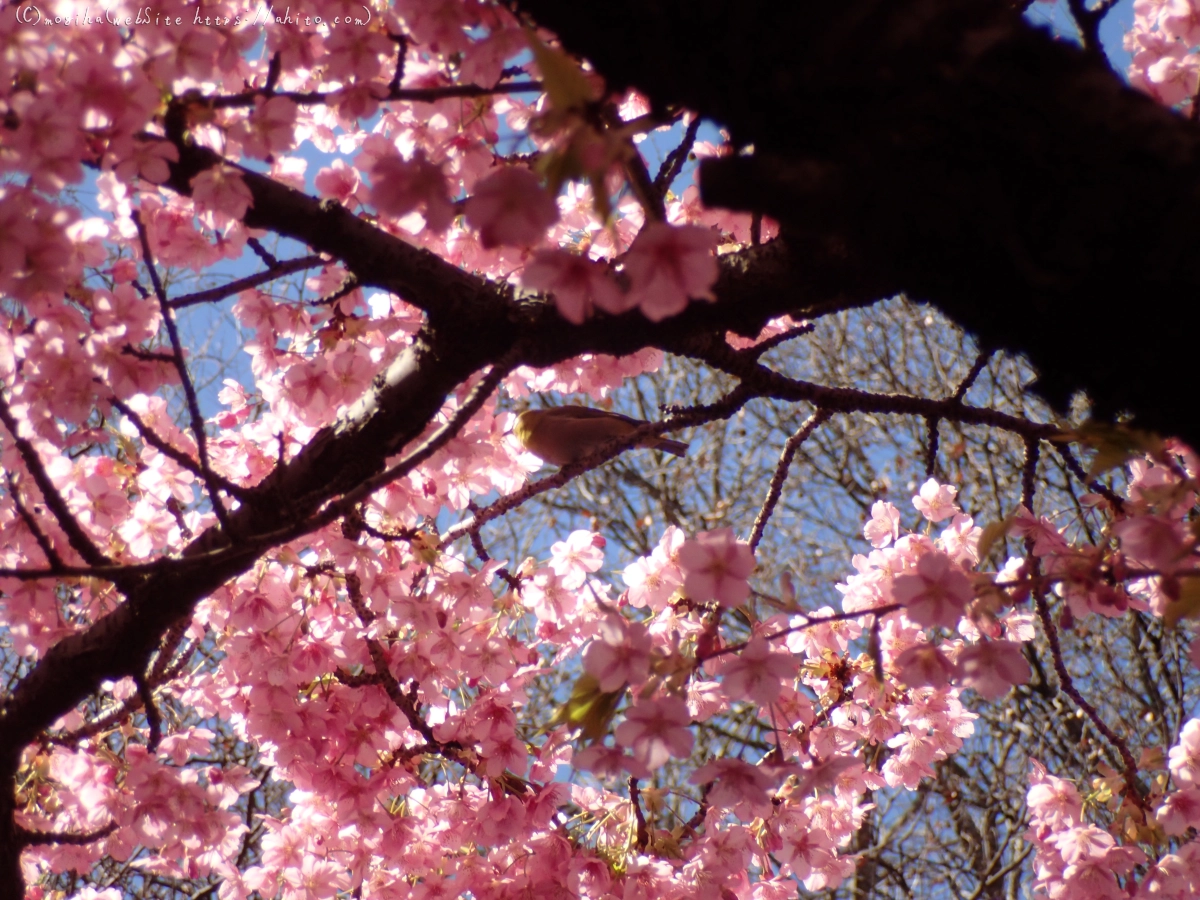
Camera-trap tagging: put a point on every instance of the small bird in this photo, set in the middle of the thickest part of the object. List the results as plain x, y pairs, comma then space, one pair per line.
563, 434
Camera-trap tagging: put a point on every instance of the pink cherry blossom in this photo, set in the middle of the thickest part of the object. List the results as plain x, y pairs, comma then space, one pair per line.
1180, 19
1155, 542
578, 284
936, 594
738, 786
400, 186
668, 265
1054, 800
1082, 842
653, 579
576, 557
936, 501
607, 762
1179, 811
716, 566
884, 524
222, 190
992, 667
511, 207
925, 665
621, 654
656, 730
1185, 756
271, 127
757, 672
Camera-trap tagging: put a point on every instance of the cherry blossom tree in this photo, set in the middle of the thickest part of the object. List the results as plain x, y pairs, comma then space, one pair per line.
333, 633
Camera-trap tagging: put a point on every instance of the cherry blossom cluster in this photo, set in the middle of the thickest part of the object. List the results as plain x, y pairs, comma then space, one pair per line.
383, 675
1163, 41
1077, 859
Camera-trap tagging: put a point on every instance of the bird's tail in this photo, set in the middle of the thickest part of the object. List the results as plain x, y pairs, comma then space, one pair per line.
679, 448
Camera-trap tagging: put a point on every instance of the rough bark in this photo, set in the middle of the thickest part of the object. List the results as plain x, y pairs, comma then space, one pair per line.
961, 155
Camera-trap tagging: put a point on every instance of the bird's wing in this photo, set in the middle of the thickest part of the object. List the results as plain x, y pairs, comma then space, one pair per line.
587, 412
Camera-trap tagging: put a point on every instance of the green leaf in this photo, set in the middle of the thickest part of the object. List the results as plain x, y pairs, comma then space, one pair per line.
993, 532
562, 77
1114, 444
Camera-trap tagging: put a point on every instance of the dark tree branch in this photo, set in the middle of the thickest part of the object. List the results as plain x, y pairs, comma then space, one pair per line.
1011, 179
153, 719
775, 489
78, 539
178, 456
412, 95
642, 836
278, 270
261, 252
673, 164
36, 838
185, 377
1088, 22
52, 558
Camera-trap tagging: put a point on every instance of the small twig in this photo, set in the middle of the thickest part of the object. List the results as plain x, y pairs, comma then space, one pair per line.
765, 382
931, 446
875, 646
176, 512
477, 544
383, 677
401, 58
76, 536
274, 69
1029, 473
360, 680
775, 340
976, 368
153, 718
184, 461
635, 799
32, 524
287, 267
166, 665
1066, 683
645, 190
147, 355
261, 252
701, 813
413, 95
353, 524
775, 489
876, 611
673, 164
1117, 502
189, 389
29, 838
349, 286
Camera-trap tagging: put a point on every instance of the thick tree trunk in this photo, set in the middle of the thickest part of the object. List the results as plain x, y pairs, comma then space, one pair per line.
961, 155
